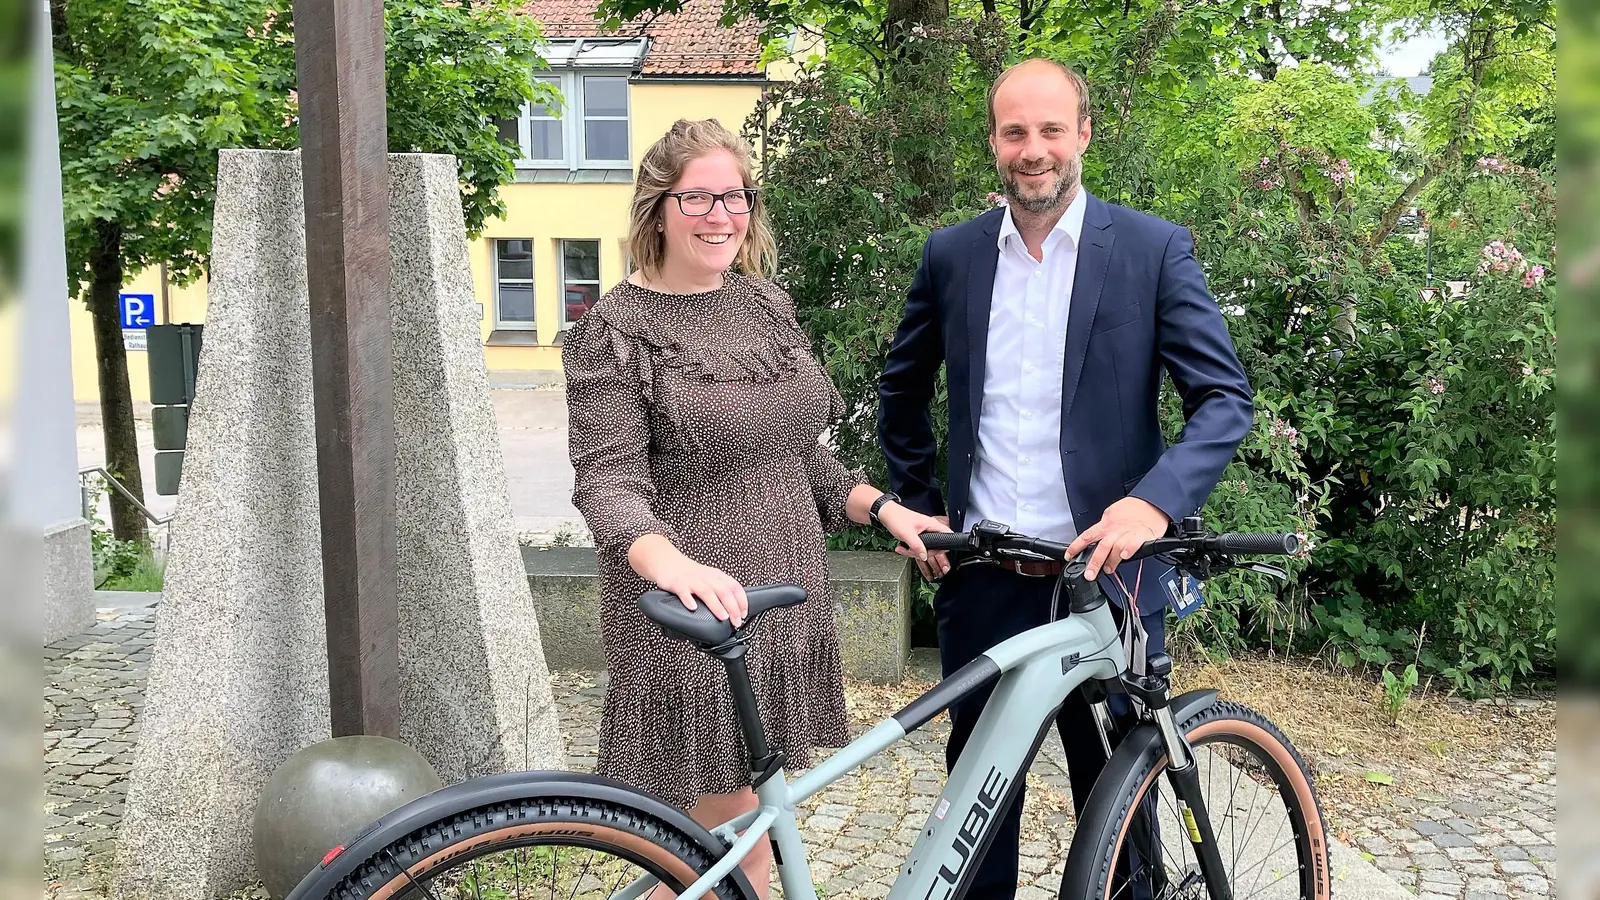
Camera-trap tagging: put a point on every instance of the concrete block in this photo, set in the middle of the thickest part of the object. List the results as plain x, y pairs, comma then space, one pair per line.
68, 568
238, 672
872, 593
566, 594
476, 693
871, 590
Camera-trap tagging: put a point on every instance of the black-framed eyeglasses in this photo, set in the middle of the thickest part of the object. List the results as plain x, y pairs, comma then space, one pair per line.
698, 203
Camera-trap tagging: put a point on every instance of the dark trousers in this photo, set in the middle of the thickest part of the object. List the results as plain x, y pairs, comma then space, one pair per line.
977, 607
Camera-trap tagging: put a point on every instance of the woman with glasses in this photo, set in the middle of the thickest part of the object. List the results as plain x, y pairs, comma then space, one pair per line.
695, 412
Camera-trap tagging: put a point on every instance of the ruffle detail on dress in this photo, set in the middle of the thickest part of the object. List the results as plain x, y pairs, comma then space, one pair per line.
675, 343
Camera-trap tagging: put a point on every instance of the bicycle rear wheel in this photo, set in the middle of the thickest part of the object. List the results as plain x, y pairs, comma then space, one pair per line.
1264, 812
572, 848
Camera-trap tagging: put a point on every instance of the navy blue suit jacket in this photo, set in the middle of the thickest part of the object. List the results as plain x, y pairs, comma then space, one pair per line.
1139, 306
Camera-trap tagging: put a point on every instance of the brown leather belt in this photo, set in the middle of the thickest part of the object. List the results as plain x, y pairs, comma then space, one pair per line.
1031, 568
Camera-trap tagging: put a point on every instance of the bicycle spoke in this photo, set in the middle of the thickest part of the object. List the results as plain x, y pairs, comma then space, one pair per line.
1274, 881
618, 886
1233, 795
522, 854
1254, 795
407, 872
1182, 854
1261, 866
578, 882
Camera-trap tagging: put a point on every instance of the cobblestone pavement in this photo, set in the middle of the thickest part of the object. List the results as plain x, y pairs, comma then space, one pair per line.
1492, 838
1488, 833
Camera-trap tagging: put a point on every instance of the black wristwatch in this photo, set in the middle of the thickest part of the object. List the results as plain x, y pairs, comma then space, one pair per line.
886, 497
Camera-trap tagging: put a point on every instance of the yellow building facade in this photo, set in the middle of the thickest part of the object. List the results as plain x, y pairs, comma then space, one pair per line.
561, 242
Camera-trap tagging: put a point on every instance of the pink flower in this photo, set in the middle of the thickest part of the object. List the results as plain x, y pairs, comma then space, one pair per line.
997, 199
1283, 429
1435, 386
1493, 166
1266, 162
1533, 276
1497, 256
1340, 172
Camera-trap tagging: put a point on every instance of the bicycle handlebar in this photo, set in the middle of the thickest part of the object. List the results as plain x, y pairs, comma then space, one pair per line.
990, 538
1275, 544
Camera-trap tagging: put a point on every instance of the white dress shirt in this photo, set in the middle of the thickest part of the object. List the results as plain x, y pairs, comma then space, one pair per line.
1016, 475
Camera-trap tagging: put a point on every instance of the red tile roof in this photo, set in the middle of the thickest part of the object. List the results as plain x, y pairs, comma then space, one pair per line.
690, 42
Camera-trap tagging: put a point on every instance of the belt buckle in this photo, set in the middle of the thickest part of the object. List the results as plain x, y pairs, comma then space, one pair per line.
1016, 565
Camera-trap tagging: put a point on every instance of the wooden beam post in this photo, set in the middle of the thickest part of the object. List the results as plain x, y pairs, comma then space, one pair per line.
339, 56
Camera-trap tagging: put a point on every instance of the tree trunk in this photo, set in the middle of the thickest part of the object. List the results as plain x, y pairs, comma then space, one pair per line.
116, 397
919, 93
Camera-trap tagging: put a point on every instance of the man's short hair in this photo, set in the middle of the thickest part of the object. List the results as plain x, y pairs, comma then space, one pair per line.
1079, 83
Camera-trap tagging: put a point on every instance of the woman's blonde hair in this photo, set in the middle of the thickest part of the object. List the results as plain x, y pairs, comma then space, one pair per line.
661, 168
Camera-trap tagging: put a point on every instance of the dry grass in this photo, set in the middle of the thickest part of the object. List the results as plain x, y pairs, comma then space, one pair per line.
1338, 723
1359, 760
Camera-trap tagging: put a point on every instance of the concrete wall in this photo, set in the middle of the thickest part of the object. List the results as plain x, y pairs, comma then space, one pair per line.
43, 491
872, 602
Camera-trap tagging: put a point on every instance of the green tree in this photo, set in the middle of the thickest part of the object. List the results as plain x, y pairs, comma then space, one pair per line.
1253, 125
149, 91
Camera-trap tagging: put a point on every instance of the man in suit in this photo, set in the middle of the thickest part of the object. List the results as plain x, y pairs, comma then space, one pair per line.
1055, 317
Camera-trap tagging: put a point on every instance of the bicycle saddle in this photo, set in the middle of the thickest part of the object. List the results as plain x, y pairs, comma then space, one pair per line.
699, 625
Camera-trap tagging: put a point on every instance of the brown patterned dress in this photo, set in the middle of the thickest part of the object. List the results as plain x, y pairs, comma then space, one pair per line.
697, 417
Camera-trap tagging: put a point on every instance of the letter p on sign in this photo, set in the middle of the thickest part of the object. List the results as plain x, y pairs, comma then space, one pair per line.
138, 311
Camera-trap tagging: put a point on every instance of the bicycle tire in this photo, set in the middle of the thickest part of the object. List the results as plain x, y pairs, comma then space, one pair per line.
1095, 849
434, 850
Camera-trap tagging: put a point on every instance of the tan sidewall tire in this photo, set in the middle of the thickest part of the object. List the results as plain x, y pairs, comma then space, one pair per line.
1263, 740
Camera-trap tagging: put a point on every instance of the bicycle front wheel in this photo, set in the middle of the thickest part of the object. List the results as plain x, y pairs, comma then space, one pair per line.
572, 848
1264, 813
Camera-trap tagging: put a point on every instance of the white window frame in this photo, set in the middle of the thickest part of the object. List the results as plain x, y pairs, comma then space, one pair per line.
561, 273
571, 83
499, 323
525, 129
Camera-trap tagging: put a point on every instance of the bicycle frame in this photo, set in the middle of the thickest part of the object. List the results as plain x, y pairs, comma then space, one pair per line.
1033, 673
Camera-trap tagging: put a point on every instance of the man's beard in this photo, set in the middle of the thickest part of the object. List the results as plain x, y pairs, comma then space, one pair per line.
1059, 194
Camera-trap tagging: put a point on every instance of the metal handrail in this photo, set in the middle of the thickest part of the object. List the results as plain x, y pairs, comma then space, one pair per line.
123, 490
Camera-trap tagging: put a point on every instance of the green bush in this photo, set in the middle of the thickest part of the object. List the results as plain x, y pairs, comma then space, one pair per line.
1408, 435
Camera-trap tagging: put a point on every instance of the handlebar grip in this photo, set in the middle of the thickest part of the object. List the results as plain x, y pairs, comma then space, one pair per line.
940, 540
1280, 544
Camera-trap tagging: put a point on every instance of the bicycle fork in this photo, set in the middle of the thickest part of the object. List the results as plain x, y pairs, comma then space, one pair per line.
1154, 691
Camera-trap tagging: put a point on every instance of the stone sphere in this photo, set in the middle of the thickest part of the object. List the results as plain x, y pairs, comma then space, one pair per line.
324, 795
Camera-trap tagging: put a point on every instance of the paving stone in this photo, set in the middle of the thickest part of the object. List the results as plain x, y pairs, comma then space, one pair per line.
1534, 884
1476, 839
1378, 846
1519, 867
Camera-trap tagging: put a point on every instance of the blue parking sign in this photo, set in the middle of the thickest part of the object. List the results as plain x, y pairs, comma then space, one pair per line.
138, 310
